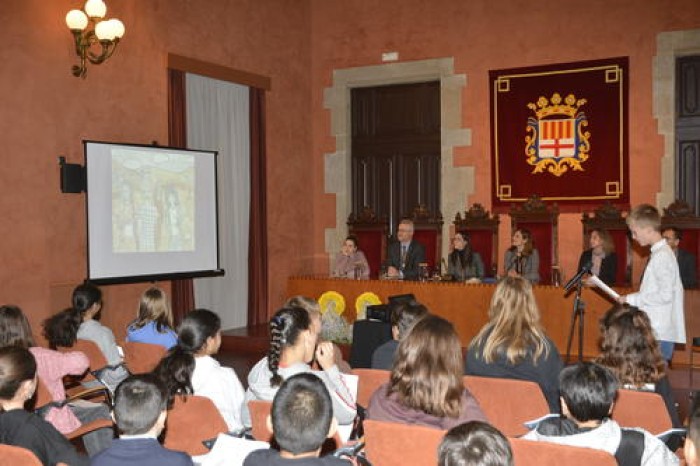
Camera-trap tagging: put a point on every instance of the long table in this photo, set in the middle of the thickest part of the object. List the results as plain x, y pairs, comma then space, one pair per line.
466, 306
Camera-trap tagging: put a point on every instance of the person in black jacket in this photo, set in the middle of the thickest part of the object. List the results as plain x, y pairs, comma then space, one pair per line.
601, 256
24, 428
686, 260
405, 254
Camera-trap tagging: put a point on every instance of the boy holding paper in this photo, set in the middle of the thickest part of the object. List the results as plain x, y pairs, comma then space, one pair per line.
660, 294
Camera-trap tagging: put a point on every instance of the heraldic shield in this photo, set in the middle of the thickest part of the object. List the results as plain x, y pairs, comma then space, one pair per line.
556, 139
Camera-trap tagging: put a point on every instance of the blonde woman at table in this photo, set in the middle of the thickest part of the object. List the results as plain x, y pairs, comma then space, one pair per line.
350, 262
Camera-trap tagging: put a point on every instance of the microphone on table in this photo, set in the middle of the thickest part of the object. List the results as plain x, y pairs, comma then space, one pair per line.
578, 277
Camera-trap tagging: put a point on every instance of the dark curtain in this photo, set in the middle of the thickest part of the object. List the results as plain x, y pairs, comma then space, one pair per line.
182, 290
257, 259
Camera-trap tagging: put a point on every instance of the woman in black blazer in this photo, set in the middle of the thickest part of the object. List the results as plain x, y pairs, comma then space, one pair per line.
601, 256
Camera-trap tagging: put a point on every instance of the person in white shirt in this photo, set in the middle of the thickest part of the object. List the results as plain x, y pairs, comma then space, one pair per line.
189, 367
660, 294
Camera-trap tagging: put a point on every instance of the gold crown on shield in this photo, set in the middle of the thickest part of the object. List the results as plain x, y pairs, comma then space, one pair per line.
554, 106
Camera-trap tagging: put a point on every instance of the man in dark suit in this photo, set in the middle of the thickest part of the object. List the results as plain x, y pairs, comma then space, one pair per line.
686, 261
405, 255
140, 411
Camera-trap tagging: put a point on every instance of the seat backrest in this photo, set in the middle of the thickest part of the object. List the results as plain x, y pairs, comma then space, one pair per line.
390, 443
533, 453
369, 380
259, 410
191, 420
647, 410
93, 353
508, 403
371, 234
483, 235
11, 455
543, 223
427, 230
611, 219
141, 358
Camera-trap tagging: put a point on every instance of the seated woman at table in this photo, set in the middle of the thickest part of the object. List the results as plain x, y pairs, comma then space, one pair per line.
463, 263
426, 386
513, 344
522, 259
631, 352
600, 257
350, 262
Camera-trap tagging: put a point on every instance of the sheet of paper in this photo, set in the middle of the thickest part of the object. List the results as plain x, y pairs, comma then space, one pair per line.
600, 284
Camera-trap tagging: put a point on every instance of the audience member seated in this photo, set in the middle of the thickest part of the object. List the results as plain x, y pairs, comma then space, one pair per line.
587, 395
405, 255
601, 257
52, 366
82, 322
463, 263
311, 306
292, 349
631, 352
350, 262
154, 322
426, 386
692, 442
23, 428
189, 367
140, 411
301, 420
522, 259
403, 316
513, 344
686, 260
475, 444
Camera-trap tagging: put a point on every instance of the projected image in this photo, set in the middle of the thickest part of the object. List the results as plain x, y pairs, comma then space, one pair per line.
152, 202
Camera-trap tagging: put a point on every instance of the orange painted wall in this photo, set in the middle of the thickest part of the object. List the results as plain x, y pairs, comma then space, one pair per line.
482, 35
46, 112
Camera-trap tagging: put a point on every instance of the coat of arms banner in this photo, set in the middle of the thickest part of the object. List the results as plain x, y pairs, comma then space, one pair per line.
560, 132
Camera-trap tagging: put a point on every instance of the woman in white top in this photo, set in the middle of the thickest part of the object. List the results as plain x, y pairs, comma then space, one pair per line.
292, 348
189, 368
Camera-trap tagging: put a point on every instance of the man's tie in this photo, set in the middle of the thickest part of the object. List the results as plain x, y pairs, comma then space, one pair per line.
403, 256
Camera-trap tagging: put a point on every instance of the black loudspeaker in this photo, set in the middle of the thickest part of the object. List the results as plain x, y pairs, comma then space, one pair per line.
72, 177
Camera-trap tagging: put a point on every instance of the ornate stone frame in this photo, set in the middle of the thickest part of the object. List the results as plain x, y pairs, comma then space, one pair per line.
456, 182
669, 45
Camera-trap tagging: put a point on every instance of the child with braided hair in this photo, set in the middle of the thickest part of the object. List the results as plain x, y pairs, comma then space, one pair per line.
292, 347
189, 367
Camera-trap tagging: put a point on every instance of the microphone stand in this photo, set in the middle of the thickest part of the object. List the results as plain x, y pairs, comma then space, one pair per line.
577, 313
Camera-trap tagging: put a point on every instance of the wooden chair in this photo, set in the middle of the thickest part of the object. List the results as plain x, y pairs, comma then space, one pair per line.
427, 230
533, 453
609, 218
483, 233
371, 233
44, 399
543, 222
508, 403
11, 455
390, 443
97, 362
141, 358
191, 420
647, 410
680, 215
369, 381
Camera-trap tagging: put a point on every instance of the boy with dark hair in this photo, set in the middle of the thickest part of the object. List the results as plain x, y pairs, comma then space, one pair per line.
301, 420
660, 294
403, 316
474, 443
588, 393
140, 412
